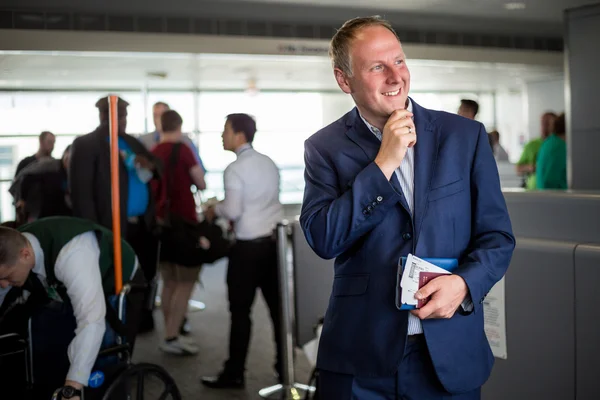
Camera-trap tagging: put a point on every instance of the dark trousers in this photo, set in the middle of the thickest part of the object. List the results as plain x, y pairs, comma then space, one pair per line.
415, 380
145, 245
252, 265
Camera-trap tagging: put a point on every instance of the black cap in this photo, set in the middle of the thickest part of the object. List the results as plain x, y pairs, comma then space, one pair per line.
102, 104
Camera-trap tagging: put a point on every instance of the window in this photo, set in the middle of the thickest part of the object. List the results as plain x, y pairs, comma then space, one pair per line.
283, 120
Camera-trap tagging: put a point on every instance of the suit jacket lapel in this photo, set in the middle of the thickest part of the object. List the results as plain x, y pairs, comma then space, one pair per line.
360, 134
426, 152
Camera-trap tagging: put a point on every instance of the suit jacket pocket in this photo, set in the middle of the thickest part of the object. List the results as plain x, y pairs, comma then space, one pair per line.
350, 285
446, 190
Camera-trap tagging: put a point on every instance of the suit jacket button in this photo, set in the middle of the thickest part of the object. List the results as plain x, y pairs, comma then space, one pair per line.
365, 212
406, 236
369, 208
379, 199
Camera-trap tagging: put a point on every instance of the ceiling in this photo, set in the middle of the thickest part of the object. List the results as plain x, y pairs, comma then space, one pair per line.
101, 70
538, 10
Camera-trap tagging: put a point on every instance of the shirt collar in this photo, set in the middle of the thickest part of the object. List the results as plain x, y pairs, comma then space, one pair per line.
243, 148
38, 268
375, 130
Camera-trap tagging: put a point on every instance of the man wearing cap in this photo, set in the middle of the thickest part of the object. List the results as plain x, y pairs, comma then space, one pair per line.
90, 181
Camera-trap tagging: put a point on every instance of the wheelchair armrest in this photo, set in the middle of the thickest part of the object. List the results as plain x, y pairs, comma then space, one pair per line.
12, 343
10, 336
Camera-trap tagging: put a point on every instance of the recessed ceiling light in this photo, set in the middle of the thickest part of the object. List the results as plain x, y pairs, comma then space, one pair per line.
514, 6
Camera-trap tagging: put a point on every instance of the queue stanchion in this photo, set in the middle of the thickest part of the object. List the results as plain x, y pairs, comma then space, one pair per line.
288, 389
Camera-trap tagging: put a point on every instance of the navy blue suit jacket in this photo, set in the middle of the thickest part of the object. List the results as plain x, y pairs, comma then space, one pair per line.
353, 213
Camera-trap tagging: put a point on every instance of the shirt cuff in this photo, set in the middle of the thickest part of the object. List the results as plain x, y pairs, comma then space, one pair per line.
467, 304
78, 376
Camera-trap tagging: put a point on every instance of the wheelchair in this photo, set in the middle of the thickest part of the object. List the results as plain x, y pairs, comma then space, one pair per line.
34, 360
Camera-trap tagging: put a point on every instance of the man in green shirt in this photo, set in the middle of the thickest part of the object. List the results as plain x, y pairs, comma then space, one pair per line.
527, 162
551, 169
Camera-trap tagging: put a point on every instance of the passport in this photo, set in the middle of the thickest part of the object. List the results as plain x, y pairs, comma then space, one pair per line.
447, 264
424, 278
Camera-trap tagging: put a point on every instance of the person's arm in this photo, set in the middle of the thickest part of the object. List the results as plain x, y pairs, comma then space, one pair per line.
78, 269
144, 157
333, 218
230, 207
197, 174
81, 181
19, 168
525, 164
194, 150
190, 160
541, 173
492, 240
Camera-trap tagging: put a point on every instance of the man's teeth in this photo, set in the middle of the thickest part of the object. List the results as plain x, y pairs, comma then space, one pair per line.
392, 93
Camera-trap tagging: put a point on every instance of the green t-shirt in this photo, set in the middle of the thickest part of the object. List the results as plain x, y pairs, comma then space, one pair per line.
551, 167
529, 157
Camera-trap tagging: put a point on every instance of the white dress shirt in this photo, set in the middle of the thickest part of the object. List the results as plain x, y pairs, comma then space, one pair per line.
251, 194
77, 268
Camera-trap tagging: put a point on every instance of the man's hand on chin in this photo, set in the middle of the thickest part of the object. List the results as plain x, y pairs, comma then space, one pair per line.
447, 293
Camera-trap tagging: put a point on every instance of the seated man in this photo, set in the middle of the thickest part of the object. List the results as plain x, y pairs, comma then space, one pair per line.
69, 261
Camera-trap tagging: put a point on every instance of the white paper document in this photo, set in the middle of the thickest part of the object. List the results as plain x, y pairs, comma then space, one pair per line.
410, 277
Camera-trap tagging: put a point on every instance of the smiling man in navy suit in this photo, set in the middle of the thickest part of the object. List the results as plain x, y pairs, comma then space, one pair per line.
387, 179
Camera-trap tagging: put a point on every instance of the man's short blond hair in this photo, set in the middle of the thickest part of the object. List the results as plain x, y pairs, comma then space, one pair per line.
11, 243
339, 48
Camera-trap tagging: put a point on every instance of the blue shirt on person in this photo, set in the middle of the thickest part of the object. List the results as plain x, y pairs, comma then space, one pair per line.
138, 195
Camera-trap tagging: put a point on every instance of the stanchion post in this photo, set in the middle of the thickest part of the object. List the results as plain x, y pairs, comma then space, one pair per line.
288, 389
113, 117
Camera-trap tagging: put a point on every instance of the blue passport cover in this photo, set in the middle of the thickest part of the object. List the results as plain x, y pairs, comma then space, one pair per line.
449, 264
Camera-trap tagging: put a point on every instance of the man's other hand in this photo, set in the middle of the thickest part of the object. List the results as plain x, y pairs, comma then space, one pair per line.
209, 213
144, 162
447, 293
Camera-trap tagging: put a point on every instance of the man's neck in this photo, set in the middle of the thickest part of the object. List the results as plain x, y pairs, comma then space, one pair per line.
378, 123
170, 137
238, 148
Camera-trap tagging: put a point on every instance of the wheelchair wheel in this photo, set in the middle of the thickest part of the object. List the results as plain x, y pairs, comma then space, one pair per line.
143, 382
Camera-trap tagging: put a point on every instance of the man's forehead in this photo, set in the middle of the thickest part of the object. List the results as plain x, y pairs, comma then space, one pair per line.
377, 42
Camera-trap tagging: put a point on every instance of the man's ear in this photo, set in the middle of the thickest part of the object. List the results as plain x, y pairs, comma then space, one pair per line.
25, 253
342, 80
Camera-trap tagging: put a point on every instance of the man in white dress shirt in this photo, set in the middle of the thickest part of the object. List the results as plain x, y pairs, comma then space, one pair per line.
252, 204
67, 260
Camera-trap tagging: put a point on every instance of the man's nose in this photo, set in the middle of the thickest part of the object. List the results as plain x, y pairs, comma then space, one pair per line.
393, 75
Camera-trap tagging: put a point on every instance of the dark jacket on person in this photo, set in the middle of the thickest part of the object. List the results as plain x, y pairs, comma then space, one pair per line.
90, 181
43, 186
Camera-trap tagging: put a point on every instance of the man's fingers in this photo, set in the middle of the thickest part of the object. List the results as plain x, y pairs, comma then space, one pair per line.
430, 288
401, 125
428, 311
399, 114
